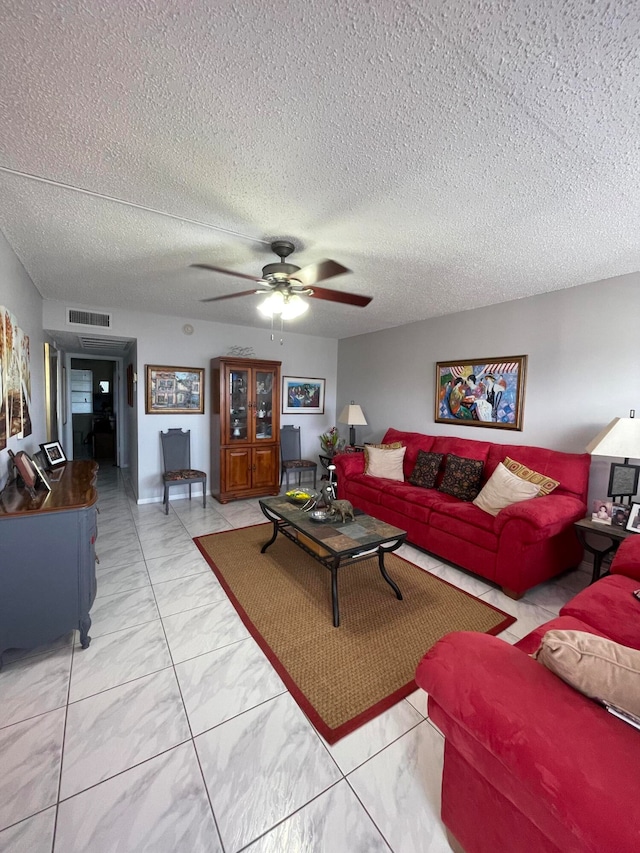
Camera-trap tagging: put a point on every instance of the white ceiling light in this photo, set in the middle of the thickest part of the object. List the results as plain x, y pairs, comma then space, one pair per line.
287, 306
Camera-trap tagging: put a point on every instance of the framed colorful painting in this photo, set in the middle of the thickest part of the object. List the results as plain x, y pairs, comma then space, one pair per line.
174, 390
485, 392
302, 396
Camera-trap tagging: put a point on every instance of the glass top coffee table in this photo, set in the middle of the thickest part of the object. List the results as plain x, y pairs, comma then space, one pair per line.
334, 544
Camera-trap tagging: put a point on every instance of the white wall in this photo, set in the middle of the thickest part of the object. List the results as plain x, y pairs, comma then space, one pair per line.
19, 295
161, 340
583, 367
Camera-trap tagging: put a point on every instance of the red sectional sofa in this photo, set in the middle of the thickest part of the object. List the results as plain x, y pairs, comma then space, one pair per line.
530, 764
523, 545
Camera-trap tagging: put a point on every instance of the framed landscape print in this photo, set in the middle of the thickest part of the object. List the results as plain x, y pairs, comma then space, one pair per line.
302, 396
174, 390
487, 392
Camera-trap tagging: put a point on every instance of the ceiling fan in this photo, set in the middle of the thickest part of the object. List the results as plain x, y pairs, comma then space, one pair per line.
284, 284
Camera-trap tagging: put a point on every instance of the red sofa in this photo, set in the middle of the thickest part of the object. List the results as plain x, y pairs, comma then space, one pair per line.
523, 545
531, 765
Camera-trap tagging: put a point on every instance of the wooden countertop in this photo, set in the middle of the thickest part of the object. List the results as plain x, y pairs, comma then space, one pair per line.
72, 487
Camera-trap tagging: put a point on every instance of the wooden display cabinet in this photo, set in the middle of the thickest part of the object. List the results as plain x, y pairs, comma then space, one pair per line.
245, 428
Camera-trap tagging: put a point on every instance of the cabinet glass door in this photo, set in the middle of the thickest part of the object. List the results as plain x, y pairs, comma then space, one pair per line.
238, 415
264, 394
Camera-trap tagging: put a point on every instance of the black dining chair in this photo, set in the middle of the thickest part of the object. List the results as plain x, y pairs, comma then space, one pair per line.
290, 456
176, 454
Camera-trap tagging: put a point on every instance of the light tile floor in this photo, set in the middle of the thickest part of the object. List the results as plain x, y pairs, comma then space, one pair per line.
172, 733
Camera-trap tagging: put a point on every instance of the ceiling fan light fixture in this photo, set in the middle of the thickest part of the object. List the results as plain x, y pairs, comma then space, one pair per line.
294, 307
272, 305
288, 306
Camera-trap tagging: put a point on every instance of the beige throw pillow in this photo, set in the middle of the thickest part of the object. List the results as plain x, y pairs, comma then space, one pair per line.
503, 489
545, 484
385, 462
595, 666
389, 446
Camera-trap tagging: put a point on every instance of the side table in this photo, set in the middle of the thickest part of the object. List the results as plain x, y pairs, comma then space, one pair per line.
586, 527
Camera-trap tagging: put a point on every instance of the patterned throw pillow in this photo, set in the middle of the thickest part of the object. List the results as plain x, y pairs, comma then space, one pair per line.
545, 484
461, 477
426, 469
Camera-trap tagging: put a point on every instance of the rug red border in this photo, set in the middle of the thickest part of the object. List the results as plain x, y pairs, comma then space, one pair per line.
329, 734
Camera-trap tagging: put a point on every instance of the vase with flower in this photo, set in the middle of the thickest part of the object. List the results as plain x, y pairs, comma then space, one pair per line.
331, 443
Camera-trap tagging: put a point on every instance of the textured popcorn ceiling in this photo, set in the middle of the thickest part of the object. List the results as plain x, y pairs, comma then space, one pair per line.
453, 153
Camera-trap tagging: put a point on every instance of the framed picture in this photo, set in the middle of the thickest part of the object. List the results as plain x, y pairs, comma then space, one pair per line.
623, 480
620, 515
601, 512
302, 396
633, 523
174, 390
53, 453
25, 468
42, 477
485, 392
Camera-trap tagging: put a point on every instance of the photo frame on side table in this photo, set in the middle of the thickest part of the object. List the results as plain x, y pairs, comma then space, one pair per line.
53, 453
302, 395
485, 392
24, 467
42, 477
633, 524
174, 390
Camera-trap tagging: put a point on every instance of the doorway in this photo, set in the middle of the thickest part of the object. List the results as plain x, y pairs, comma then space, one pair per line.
94, 398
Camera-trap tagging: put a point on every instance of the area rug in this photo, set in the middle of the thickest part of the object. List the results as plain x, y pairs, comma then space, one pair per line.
341, 677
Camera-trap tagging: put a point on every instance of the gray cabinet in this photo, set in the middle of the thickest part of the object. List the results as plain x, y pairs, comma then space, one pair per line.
47, 559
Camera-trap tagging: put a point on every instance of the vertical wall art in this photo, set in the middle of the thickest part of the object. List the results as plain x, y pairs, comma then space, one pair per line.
3, 382
15, 379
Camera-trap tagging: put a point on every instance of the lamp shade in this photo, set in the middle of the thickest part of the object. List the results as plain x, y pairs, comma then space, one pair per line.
352, 415
620, 438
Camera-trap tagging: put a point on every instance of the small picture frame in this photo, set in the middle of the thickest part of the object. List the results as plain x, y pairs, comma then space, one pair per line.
53, 453
633, 522
620, 515
602, 511
623, 480
42, 477
24, 467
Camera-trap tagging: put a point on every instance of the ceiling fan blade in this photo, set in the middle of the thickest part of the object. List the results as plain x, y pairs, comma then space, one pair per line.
231, 295
341, 296
320, 271
226, 272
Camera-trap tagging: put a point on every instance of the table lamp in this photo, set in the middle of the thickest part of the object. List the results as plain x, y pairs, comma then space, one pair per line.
352, 415
620, 438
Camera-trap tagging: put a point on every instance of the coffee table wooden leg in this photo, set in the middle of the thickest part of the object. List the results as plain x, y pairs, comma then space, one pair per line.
334, 595
383, 572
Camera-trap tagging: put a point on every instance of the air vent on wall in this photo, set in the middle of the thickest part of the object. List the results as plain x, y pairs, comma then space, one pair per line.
88, 318
110, 344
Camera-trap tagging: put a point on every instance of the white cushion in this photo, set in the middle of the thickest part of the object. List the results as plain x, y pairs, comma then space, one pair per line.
503, 489
387, 463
